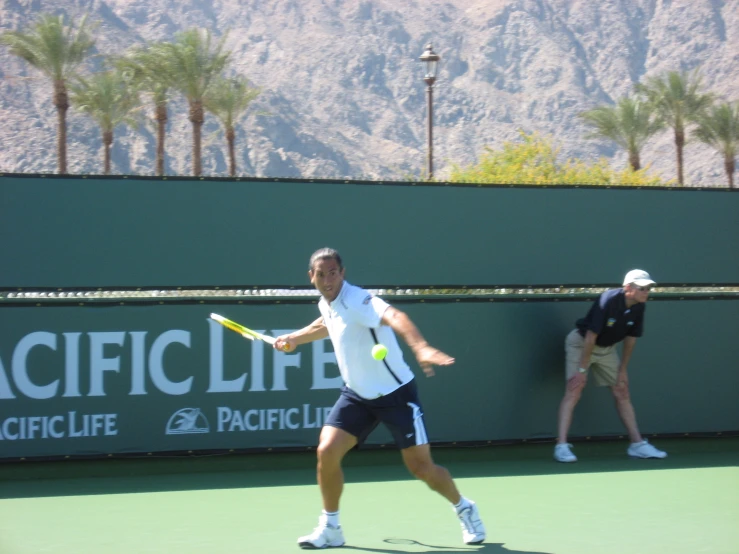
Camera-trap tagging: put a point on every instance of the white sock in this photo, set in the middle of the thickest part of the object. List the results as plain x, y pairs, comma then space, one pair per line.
332, 518
463, 503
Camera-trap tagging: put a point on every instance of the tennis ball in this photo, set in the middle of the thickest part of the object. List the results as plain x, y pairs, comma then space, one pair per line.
379, 351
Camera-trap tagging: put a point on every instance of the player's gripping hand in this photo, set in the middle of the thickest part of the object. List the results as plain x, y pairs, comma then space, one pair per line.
284, 343
428, 357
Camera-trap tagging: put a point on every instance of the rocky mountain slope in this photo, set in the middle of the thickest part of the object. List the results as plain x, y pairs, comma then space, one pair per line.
343, 95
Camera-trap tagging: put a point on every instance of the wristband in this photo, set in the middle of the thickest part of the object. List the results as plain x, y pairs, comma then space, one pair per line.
582, 370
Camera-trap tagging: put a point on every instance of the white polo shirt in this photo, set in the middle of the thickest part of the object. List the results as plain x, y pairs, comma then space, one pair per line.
351, 319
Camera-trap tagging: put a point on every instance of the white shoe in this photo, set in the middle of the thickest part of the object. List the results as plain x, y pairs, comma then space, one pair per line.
644, 450
473, 531
323, 536
562, 453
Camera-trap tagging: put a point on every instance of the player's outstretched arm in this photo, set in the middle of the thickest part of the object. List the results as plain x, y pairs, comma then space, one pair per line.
315, 331
427, 355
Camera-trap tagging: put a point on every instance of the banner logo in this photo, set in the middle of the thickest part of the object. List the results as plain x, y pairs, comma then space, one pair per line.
187, 421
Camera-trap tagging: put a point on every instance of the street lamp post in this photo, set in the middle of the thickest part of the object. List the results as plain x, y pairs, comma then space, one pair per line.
431, 59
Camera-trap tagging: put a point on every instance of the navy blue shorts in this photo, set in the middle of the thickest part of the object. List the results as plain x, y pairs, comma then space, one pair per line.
400, 411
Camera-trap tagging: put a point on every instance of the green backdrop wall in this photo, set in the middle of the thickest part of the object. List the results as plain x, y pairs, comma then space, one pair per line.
72, 232
100, 380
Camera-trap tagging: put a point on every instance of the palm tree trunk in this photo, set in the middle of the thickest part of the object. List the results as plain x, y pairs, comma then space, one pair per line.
231, 138
634, 160
107, 143
679, 145
197, 117
61, 101
161, 118
730, 167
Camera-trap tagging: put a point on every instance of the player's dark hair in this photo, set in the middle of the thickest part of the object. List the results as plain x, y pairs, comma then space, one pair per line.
325, 254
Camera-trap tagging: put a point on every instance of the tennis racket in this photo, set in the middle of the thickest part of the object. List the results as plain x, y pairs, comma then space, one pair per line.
240, 329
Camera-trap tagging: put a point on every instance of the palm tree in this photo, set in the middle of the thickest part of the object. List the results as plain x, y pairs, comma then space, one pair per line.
678, 101
227, 100
630, 123
194, 64
110, 99
150, 73
719, 127
56, 50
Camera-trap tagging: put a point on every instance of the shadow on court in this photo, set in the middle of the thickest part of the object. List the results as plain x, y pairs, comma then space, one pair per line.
486, 548
89, 477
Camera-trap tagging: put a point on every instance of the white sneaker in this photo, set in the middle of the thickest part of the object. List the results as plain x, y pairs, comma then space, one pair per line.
473, 531
644, 450
323, 536
562, 453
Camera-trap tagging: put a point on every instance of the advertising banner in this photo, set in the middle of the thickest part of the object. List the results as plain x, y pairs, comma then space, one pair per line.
78, 381
139, 379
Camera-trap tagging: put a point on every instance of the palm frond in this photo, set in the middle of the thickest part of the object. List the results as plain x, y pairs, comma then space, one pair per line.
719, 127
194, 62
676, 96
52, 46
630, 123
148, 69
228, 99
109, 98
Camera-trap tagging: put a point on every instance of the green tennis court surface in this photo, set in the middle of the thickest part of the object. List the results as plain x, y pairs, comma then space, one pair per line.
606, 503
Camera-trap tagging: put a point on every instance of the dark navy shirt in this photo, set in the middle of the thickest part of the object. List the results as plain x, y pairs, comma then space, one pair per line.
611, 320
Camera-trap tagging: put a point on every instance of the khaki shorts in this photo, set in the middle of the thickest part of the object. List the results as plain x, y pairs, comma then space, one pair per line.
604, 361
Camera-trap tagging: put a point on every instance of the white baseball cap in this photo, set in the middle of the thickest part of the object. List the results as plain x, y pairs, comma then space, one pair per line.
638, 277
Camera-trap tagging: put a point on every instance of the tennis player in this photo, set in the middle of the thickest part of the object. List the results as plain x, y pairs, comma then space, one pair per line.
617, 315
375, 391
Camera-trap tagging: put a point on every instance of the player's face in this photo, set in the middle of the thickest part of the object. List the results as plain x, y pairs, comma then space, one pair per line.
327, 278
